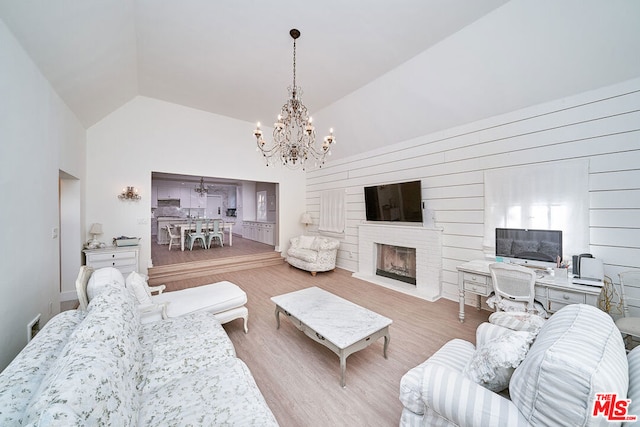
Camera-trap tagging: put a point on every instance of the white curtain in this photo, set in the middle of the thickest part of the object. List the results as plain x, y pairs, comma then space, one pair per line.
552, 196
332, 211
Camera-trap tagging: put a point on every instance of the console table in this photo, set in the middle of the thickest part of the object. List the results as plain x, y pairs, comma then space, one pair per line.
474, 277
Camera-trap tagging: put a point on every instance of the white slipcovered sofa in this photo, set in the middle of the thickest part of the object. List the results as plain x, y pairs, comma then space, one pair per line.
103, 367
577, 354
313, 253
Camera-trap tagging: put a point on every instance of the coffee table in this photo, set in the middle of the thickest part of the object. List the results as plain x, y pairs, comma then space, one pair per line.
334, 322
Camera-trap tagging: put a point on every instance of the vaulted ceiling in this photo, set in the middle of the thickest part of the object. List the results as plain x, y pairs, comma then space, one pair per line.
234, 58
227, 57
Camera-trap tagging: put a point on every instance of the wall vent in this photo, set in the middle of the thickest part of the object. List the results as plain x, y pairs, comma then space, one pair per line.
33, 328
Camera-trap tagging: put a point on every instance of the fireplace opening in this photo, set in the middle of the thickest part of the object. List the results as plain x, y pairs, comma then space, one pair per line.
396, 262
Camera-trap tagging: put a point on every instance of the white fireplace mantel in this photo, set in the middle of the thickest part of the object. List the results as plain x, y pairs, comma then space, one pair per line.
428, 244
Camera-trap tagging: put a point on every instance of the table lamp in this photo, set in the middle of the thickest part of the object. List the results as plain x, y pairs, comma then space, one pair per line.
96, 230
306, 219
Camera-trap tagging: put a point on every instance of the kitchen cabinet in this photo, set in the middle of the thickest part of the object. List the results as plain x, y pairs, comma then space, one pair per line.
263, 232
169, 192
154, 197
186, 195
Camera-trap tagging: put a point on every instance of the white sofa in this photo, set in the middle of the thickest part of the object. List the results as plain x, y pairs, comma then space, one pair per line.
103, 367
313, 253
577, 354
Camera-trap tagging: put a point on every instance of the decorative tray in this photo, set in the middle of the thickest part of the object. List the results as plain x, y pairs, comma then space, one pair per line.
126, 241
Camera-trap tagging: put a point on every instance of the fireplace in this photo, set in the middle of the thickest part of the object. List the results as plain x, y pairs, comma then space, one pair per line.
427, 265
396, 262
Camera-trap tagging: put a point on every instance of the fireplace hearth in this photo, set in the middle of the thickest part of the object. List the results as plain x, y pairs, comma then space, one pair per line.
396, 262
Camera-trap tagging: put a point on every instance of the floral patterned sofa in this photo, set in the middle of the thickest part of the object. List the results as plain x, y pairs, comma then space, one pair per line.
104, 367
313, 253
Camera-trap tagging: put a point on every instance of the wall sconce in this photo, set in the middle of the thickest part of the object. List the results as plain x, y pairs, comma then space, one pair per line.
129, 193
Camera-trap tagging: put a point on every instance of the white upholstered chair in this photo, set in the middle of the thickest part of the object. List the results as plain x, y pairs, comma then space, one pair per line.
629, 325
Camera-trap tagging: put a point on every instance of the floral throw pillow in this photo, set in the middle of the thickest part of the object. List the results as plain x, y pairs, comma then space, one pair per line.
493, 362
305, 242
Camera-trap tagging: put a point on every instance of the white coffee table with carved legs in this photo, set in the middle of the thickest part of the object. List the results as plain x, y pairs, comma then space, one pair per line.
338, 324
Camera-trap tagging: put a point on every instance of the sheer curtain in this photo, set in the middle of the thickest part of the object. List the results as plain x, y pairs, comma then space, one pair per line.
552, 196
332, 211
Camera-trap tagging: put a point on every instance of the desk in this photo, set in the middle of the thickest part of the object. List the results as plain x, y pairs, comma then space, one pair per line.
184, 227
475, 277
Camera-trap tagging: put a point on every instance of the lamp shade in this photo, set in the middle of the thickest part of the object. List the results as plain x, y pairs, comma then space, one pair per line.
96, 228
306, 219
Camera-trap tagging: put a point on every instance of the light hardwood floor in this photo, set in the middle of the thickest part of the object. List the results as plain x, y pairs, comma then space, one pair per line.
161, 255
300, 379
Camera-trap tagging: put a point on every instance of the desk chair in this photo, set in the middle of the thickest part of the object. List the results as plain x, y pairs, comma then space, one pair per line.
513, 283
629, 326
174, 239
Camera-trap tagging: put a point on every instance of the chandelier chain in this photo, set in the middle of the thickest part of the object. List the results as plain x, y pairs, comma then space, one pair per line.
294, 67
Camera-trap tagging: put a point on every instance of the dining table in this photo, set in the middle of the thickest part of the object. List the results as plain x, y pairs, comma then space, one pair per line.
183, 228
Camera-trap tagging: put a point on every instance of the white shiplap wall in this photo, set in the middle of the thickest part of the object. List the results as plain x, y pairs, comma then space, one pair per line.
602, 126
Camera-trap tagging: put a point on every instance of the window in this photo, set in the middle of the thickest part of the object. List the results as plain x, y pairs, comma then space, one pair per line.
552, 196
332, 211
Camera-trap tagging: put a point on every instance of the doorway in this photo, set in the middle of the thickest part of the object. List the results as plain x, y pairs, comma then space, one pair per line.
70, 236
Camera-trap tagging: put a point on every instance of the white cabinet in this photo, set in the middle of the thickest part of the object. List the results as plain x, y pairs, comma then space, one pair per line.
168, 192
262, 232
186, 197
124, 258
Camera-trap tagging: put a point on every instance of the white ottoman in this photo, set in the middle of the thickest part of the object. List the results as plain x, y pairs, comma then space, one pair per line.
225, 300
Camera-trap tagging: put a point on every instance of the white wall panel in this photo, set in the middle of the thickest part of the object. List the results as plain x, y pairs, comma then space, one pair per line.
602, 126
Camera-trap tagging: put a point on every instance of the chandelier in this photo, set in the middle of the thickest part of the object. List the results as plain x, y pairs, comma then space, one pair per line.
294, 137
201, 190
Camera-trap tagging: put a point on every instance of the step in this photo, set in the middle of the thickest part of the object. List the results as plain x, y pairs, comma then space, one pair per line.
189, 270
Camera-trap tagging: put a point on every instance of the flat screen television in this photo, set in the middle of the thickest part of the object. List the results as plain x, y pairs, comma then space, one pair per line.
533, 247
400, 202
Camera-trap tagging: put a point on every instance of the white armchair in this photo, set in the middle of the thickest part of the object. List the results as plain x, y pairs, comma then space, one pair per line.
576, 354
313, 253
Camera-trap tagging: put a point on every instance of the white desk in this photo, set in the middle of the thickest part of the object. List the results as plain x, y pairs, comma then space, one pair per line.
184, 227
474, 277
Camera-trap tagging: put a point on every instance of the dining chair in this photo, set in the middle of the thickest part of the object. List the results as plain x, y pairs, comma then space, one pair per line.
197, 234
513, 283
628, 325
174, 239
216, 233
